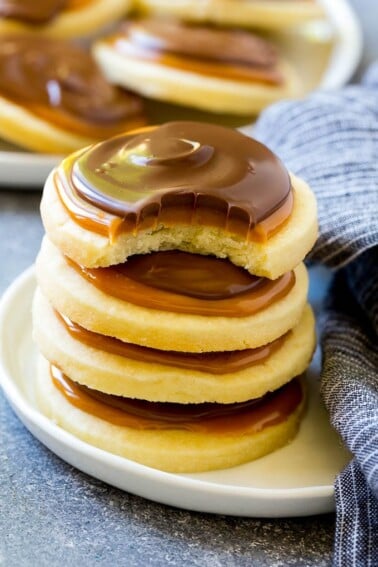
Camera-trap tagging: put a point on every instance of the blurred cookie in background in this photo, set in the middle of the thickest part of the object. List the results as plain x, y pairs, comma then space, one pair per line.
54, 98
190, 65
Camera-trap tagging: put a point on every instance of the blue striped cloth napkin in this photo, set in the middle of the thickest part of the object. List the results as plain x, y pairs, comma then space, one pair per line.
330, 139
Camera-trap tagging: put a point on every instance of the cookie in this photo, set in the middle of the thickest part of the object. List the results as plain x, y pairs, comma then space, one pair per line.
188, 65
267, 236
177, 448
54, 98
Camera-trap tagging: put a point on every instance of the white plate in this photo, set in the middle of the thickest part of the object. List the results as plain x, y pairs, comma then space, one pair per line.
294, 481
326, 55
22, 169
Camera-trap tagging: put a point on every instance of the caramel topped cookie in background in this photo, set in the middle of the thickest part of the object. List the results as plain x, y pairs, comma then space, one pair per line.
103, 363
59, 18
262, 14
54, 98
218, 70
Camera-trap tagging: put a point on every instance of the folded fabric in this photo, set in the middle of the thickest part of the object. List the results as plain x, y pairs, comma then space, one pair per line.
331, 140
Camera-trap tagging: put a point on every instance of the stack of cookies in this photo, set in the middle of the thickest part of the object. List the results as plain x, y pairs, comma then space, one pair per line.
171, 311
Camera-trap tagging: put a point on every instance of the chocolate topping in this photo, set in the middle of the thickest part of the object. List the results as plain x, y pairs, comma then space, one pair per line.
31, 11
40, 72
251, 416
201, 41
205, 173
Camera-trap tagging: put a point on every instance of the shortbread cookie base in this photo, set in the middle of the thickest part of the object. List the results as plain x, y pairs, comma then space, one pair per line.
169, 450
75, 297
187, 88
281, 253
268, 14
75, 23
114, 374
20, 126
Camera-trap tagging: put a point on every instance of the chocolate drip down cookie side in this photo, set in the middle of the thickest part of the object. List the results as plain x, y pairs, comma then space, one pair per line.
172, 329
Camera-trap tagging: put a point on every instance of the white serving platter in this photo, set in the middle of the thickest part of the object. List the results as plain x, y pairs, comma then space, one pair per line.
296, 480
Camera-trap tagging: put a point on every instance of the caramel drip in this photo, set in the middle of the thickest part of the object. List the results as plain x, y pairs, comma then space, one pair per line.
180, 173
226, 300
211, 362
200, 49
244, 417
61, 83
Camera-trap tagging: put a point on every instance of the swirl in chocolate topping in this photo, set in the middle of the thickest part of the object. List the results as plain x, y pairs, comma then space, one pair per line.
204, 173
32, 12
45, 73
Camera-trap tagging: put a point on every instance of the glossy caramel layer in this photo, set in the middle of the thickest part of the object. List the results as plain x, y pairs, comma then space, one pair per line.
199, 285
60, 82
177, 173
238, 418
199, 49
211, 362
